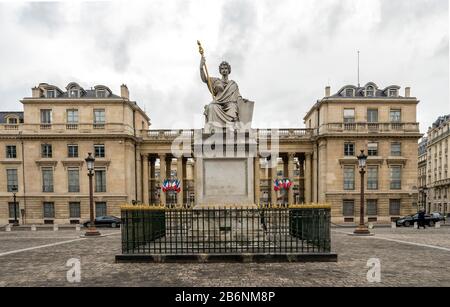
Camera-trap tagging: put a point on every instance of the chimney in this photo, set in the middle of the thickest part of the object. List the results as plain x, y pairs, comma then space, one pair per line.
327, 91
124, 93
36, 92
407, 91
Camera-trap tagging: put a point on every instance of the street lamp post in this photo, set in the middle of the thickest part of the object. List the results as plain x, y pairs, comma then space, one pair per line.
16, 220
362, 228
91, 231
424, 203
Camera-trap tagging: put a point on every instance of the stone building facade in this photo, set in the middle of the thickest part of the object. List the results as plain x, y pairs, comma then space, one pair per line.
383, 124
44, 147
437, 163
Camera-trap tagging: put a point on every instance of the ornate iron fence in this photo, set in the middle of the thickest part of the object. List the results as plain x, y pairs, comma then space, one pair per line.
186, 231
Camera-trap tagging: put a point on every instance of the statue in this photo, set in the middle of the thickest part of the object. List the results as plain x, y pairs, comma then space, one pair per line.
227, 106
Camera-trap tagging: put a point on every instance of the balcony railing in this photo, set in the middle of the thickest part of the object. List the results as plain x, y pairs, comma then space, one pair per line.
46, 126
265, 133
67, 128
369, 127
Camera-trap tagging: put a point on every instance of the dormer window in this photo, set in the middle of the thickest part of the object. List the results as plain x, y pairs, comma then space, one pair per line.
370, 92
51, 94
101, 94
74, 93
393, 92
349, 92
12, 121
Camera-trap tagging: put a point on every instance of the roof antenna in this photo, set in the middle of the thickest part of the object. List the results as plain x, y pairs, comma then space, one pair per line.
359, 85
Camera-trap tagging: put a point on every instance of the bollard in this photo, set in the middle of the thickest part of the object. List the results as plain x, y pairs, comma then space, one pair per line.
393, 225
55, 227
437, 225
416, 226
33, 227
77, 227
8, 228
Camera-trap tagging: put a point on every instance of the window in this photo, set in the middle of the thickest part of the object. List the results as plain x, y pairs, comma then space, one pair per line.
46, 116
11, 178
49, 210
372, 178
396, 149
100, 180
11, 152
348, 208
394, 206
372, 116
14, 210
74, 210
99, 151
370, 91
72, 151
47, 179
373, 149
372, 207
46, 150
349, 92
99, 116
74, 179
349, 149
101, 93
393, 92
349, 115
12, 120
349, 178
74, 93
100, 209
395, 116
51, 94
396, 177
72, 116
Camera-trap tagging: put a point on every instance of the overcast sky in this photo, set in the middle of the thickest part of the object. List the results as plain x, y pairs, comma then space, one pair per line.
282, 53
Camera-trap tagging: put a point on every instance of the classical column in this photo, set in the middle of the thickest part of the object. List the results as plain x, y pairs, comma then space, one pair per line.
273, 176
257, 170
180, 176
308, 177
138, 178
185, 182
145, 198
301, 179
290, 172
162, 176
152, 179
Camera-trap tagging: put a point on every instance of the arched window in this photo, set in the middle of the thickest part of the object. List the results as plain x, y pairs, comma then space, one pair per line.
370, 92
13, 120
349, 92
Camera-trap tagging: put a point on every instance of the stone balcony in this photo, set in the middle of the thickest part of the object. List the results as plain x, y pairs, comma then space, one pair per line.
283, 134
369, 128
66, 128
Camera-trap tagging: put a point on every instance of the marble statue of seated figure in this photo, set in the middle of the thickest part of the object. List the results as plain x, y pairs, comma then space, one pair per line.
224, 110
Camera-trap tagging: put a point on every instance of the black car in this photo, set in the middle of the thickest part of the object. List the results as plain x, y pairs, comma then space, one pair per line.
409, 220
105, 221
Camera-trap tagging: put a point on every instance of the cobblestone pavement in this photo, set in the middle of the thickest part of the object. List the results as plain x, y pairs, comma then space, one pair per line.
402, 263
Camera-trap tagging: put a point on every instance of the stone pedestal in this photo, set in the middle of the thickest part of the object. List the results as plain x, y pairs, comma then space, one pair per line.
224, 172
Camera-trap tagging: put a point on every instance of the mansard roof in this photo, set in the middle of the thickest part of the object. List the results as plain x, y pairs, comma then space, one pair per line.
5, 115
83, 93
359, 91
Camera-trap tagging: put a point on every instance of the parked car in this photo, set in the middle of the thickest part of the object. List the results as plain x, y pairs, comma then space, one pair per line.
430, 219
438, 217
105, 221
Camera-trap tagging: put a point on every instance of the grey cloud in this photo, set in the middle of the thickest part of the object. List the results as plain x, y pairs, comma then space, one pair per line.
236, 29
397, 14
42, 16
